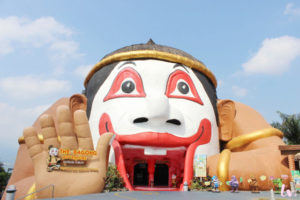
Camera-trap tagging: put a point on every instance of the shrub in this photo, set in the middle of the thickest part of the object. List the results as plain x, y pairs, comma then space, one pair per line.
113, 180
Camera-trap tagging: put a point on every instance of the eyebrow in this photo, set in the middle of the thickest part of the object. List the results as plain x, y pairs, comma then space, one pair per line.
127, 62
180, 65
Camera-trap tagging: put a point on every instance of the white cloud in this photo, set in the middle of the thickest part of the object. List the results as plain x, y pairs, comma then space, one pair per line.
238, 91
61, 52
18, 30
28, 87
64, 49
83, 70
12, 122
274, 56
15, 120
291, 10
45, 32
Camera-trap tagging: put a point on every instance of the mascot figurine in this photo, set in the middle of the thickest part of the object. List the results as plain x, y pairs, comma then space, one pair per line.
215, 183
253, 184
53, 159
157, 108
234, 184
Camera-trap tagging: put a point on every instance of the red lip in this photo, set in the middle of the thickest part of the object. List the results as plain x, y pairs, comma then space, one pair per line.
154, 139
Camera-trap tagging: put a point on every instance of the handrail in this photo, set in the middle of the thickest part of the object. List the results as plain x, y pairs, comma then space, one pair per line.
52, 195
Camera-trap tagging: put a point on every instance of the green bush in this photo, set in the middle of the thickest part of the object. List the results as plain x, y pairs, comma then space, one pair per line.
195, 184
113, 180
199, 184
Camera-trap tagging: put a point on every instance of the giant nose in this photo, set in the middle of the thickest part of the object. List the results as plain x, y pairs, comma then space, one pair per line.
157, 112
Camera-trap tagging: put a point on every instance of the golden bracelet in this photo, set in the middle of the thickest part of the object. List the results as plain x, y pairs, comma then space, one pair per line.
251, 137
223, 163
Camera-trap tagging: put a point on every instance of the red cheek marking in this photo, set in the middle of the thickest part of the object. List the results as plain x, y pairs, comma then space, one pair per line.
105, 124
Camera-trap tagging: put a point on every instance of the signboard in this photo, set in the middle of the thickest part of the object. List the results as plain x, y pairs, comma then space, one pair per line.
296, 179
69, 160
200, 165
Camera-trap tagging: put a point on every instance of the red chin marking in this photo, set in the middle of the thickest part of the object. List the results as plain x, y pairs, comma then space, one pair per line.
154, 139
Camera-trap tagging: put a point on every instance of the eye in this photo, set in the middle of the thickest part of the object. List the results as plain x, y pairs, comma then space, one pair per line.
180, 85
183, 87
128, 86
127, 83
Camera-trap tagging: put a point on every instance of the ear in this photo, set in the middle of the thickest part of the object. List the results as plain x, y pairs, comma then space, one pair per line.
77, 102
226, 110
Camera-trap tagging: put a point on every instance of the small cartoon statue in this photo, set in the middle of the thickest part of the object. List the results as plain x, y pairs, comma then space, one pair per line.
234, 184
215, 183
53, 160
253, 185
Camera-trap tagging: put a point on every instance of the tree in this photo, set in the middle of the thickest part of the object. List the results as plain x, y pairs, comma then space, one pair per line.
4, 176
290, 126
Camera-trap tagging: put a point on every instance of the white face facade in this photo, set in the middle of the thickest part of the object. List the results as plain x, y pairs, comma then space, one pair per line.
145, 99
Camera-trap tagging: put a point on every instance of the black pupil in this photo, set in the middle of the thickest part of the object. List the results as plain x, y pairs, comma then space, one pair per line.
183, 87
128, 86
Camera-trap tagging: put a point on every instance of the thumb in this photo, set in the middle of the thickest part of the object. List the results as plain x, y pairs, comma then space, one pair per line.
103, 148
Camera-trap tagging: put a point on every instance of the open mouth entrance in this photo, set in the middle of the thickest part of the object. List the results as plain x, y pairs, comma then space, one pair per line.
150, 168
154, 148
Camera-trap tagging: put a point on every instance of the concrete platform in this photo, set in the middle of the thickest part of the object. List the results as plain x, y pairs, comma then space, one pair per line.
164, 195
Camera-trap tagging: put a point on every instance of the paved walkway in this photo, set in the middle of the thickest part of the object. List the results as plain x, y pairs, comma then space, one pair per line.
179, 196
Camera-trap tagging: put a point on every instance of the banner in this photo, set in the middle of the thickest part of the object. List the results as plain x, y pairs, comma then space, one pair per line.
200, 165
296, 179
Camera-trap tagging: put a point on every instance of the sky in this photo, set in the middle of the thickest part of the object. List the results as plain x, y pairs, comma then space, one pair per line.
47, 48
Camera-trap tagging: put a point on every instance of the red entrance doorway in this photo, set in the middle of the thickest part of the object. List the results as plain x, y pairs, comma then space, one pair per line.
149, 175
140, 177
161, 175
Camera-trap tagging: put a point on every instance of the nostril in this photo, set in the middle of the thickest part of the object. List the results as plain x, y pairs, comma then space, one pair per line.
140, 120
174, 121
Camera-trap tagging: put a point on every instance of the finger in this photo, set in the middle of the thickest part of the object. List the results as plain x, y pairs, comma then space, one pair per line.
82, 130
103, 147
48, 131
32, 142
65, 128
